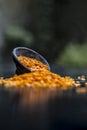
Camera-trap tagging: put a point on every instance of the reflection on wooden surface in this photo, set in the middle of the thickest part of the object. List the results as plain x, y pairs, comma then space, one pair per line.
32, 97
31, 110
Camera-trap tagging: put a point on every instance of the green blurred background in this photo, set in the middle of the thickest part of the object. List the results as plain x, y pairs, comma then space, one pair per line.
57, 29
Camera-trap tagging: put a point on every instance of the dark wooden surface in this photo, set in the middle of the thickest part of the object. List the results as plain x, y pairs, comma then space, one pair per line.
42, 109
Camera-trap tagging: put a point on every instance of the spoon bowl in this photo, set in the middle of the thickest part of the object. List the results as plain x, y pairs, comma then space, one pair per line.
24, 51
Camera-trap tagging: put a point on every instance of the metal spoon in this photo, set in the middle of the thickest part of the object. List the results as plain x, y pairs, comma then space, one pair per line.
24, 51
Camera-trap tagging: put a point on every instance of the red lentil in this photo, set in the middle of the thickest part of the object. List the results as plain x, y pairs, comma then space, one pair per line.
32, 63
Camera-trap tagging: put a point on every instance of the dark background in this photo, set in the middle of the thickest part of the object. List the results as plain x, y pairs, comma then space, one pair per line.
47, 26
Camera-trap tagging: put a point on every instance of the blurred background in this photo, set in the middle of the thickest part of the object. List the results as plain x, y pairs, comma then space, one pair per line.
57, 29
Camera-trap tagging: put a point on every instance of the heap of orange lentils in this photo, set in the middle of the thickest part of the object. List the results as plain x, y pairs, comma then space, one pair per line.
39, 76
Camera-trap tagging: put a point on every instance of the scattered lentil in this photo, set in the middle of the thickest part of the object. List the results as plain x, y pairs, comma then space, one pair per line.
86, 84
77, 84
